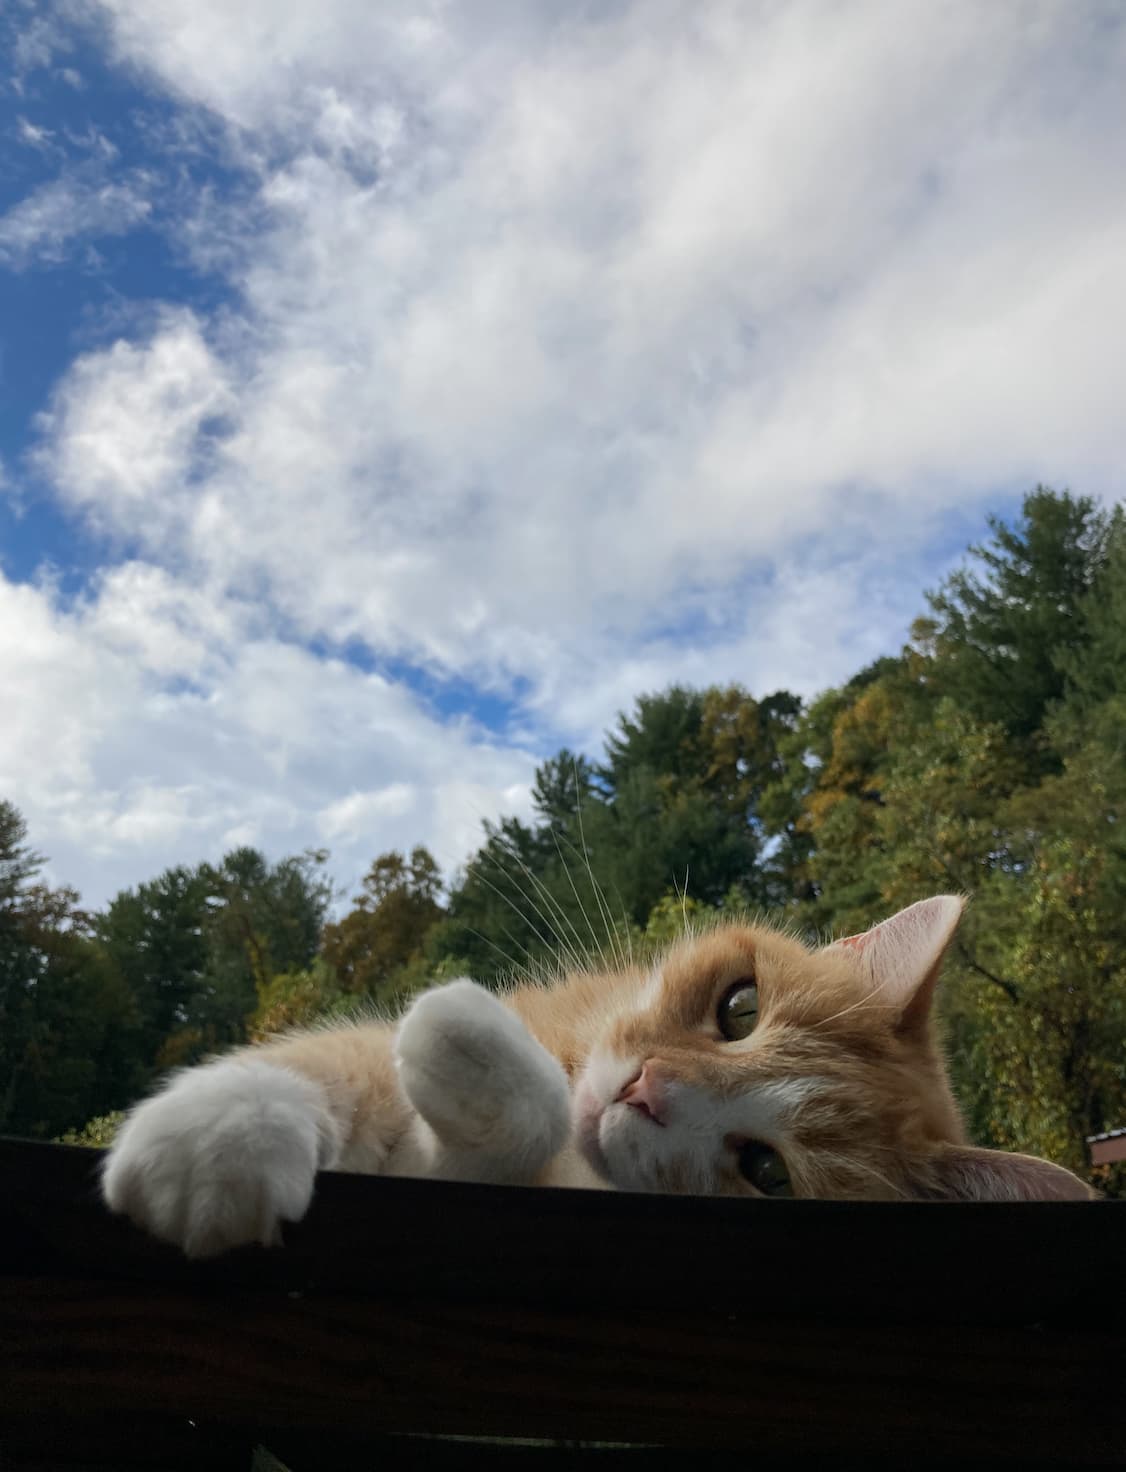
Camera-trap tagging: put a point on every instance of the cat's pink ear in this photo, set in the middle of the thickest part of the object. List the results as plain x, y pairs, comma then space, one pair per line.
969, 1173
901, 956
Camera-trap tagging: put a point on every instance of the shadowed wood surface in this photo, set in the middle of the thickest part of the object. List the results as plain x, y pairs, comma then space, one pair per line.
790, 1330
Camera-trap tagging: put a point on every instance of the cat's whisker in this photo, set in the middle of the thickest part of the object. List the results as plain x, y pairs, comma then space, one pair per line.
684, 902
870, 999
628, 930
851, 1164
501, 952
616, 953
624, 935
604, 913
595, 886
518, 911
597, 950
489, 857
577, 954
577, 957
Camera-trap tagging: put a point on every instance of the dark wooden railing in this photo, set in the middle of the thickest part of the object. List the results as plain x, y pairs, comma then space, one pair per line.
405, 1316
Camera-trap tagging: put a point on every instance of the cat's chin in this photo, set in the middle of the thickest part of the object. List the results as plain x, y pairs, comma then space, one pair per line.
587, 1119
589, 1114
590, 1129
591, 1152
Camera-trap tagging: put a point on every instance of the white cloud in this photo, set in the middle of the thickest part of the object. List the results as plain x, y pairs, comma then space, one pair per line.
34, 38
151, 726
352, 815
33, 135
40, 227
577, 350
125, 435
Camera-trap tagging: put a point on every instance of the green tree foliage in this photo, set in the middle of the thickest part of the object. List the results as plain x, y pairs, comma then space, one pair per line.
398, 904
529, 899
97, 1133
661, 736
259, 919
196, 948
671, 918
1094, 665
823, 804
293, 999
66, 1023
563, 784
155, 937
675, 805
1003, 631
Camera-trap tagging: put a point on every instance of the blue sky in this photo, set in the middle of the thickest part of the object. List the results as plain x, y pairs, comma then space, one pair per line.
388, 395
71, 119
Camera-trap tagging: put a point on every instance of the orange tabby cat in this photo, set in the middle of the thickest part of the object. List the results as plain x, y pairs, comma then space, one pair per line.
742, 1064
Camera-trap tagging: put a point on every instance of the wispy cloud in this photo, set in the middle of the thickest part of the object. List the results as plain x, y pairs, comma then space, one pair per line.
34, 37
34, 136
43, 227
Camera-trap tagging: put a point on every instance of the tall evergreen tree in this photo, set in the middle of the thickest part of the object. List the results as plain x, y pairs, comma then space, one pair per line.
66, 1024
1003, 631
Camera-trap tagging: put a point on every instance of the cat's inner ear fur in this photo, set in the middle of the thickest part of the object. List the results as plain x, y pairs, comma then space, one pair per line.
971, 1173
901, 957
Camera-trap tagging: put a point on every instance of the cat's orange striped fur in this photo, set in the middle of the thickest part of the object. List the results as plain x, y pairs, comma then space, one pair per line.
743, 1063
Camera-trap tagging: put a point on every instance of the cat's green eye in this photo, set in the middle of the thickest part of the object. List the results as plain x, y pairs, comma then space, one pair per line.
765, 1169
738, 1010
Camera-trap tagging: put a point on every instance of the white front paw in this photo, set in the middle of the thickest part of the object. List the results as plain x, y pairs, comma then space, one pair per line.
222, 1156
480, 1079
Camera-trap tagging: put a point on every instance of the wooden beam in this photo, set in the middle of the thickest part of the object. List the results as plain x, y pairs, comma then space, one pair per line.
790, 1329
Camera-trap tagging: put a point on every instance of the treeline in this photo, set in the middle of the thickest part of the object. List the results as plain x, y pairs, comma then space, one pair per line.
988, 757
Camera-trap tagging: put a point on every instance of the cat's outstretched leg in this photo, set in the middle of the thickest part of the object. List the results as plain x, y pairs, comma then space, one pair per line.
227, 1151
493, 1103
222, 1155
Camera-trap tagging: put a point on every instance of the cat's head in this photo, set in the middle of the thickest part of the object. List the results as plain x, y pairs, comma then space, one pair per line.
749, 1065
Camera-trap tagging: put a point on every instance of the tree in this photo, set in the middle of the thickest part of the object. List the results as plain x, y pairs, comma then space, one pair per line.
1001, 637
292, 999
823, 802
659, 834
739, 744
18, 863
675, 804
687, 775
1093, 666
155, 938
66, 1025
195, 947
563, 785
398, 904
1040, 1060
661, 736
259, 919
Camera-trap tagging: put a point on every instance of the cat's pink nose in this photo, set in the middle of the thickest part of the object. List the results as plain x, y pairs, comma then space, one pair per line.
644, 1093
